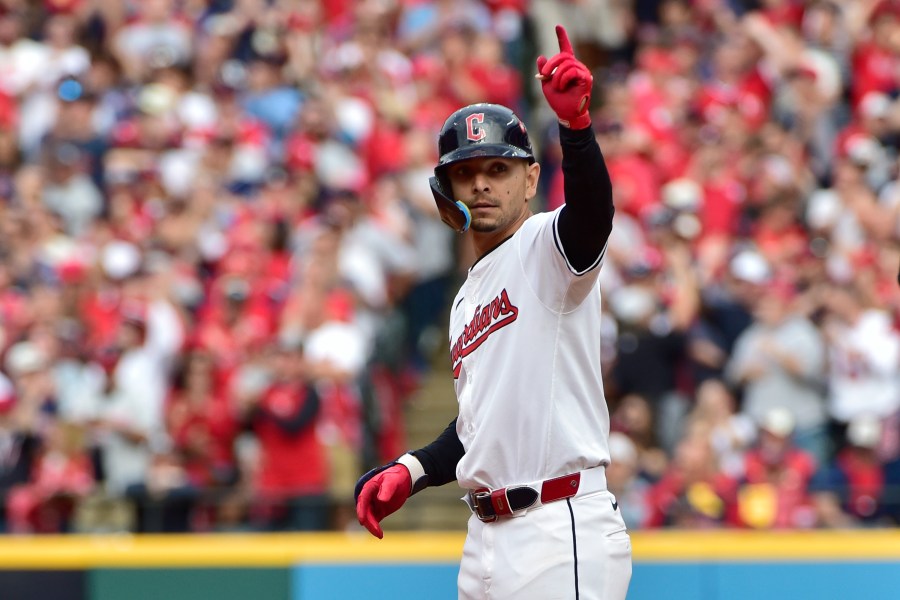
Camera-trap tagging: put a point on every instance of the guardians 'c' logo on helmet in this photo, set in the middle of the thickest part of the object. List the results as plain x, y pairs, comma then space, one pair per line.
474, 129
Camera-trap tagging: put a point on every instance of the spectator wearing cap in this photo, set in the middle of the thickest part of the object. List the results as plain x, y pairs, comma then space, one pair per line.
855, 489
773, 493
779, 361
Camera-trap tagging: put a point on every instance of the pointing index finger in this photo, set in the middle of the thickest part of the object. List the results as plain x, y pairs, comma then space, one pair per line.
564, 45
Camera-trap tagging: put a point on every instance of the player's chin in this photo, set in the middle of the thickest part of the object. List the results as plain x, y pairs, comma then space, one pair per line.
483, 225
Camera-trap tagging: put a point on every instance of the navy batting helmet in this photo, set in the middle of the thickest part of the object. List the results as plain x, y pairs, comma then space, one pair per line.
473, 131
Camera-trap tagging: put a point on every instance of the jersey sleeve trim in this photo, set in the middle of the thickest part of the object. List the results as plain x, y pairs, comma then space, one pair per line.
597, 262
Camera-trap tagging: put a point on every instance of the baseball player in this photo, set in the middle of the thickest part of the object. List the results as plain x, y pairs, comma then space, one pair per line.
529, 445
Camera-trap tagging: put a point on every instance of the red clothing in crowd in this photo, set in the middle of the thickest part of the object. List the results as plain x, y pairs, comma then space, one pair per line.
865, 481
47, 502
203, 434
101, 315
775, 493
724, 196
292, 462
750, 97
636, 187
874, 69
676, 501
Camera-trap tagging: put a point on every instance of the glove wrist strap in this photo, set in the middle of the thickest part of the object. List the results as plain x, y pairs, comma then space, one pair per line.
582, 121
418, 477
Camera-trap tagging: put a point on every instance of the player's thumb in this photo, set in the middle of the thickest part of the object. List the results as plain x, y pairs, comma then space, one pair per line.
541, 61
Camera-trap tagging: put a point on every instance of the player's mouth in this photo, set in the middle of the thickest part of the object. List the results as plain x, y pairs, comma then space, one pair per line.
482, 205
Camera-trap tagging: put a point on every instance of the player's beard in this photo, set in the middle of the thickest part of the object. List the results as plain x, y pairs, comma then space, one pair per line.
502, 217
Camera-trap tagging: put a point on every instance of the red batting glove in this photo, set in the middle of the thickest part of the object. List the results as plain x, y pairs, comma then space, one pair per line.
381, 496
566, 83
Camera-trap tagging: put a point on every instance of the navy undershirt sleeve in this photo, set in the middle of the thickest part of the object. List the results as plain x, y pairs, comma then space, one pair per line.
439, 458
585, 221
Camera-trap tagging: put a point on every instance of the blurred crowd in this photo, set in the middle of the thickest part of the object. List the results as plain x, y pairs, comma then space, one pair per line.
222, 275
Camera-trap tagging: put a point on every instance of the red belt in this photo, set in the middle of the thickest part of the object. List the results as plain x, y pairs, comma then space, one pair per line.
489, 505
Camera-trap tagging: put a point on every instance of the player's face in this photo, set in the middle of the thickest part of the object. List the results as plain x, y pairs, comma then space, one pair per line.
496, 190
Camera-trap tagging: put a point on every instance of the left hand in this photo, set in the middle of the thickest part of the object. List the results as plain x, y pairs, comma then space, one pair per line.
379, 493
566, 83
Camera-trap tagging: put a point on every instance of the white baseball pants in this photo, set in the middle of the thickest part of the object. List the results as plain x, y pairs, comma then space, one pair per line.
575, 549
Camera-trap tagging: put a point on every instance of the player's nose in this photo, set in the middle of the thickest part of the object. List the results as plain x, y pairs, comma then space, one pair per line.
481, 182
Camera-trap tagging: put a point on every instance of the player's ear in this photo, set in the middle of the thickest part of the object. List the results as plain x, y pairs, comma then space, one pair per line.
532, 174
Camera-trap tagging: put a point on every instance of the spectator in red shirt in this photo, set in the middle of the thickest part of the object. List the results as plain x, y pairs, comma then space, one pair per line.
291, 484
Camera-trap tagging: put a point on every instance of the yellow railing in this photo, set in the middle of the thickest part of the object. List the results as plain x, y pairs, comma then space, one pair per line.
279, 550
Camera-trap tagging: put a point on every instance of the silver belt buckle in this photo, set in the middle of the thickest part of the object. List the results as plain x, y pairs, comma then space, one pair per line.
476, 506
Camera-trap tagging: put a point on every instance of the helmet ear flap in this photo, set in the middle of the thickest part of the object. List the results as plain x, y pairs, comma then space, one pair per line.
453, 212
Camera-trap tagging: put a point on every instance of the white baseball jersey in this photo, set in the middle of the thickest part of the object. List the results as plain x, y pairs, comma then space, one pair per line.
525, 350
